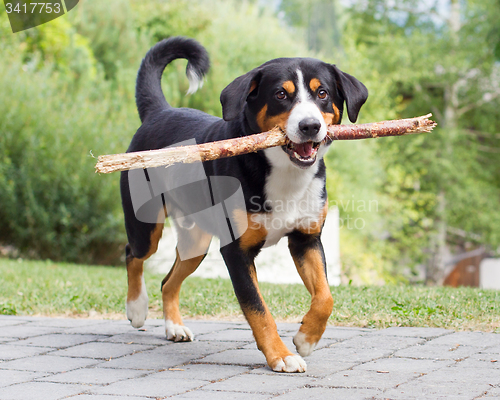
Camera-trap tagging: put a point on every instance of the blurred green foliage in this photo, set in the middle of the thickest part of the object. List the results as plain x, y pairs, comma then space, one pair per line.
67, 89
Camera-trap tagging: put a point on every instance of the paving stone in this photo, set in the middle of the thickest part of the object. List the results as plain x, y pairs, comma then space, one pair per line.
224, 363
406, 365
338, 352
414, 392
101, 350
277, 384
425, 333
202, 327
64, 322
47, 363
381, 342
198, 327
218, 395
40, 391
106, 397
366, 379
418, 390
10, 322
438, 352
250, 346
479, 360
321, 393
13, 352
341, 333
470, 376
59, 340
495, 350
151, 322
25, 331
236, 357
28, 318
93, 376
288, 327
138, 337
146, 360
170, 356
205, 372
198, 349
493, 393
449, 382
7, 340
150, 387
237, 335
477, 339
115, 328
10, 377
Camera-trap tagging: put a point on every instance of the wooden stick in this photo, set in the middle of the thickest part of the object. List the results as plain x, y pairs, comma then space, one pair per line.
253, 143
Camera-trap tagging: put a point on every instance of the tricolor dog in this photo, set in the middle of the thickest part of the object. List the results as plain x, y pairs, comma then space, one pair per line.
283, 187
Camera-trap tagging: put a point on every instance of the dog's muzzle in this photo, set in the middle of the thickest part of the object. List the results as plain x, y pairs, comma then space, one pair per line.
304, 154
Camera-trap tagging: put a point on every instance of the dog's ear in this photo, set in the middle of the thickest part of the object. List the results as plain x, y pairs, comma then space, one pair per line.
235, 95
352, 90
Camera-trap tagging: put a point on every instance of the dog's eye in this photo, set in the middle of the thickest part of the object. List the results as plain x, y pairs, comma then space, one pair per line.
322, 94
281, 95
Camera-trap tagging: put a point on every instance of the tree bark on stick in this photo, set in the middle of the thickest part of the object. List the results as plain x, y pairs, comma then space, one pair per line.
253, 143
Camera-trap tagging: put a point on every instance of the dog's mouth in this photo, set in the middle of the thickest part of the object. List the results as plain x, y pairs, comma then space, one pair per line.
302, 154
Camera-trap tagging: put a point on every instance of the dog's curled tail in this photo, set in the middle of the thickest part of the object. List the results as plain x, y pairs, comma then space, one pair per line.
148, 93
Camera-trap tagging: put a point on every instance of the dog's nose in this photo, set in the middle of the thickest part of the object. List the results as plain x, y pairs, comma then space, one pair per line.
309, 126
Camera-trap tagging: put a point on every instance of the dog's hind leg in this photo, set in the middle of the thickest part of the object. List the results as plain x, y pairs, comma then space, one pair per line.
137, 296
191, 249
307, 252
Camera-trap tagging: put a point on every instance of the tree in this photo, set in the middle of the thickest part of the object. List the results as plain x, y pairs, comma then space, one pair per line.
321, 20
443, 61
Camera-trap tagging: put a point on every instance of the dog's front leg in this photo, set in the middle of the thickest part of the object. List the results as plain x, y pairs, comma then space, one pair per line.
307, 252
240, 264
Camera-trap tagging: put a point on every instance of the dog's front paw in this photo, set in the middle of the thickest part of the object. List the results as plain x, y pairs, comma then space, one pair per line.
178, 333
291, 363
137, 310
304, 347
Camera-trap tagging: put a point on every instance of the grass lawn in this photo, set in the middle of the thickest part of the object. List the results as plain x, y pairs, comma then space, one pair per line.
55, 289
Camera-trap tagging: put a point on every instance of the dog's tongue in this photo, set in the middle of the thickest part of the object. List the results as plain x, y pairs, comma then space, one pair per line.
303, 149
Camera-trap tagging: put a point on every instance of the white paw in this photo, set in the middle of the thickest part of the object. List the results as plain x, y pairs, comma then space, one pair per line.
178, 333
291, 364
137, 310
304, 348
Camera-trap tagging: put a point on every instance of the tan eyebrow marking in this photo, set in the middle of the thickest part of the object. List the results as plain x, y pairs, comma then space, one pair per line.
314, 84
289, 87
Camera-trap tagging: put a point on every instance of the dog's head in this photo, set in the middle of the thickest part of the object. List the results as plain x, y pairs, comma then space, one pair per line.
301, 96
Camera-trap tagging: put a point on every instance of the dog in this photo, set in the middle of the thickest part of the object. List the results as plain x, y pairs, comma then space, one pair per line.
299, 95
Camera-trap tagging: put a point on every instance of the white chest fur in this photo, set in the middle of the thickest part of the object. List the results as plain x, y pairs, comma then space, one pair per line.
293, 196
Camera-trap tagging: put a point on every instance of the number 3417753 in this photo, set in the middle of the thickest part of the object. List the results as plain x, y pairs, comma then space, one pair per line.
32, 8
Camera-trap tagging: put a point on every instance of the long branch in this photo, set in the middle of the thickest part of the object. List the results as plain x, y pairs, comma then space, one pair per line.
253, 143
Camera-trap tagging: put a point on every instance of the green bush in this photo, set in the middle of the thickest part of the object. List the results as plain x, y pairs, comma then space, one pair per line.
53, 204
